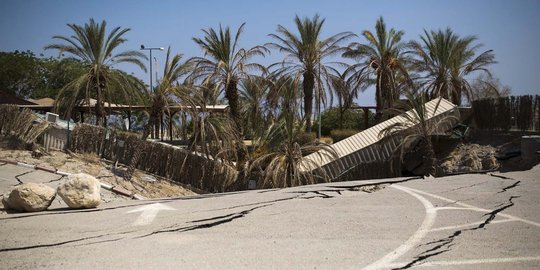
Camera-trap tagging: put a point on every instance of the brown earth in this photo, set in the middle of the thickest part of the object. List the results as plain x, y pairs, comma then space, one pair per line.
144, 184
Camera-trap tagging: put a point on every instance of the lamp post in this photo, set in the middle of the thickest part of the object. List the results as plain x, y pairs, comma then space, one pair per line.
151, 86
319, 88
150, 49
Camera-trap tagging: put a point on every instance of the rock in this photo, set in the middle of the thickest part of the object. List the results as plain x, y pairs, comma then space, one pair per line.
29, 197
80, 191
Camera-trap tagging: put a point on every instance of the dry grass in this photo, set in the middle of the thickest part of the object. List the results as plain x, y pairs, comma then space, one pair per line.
19, 124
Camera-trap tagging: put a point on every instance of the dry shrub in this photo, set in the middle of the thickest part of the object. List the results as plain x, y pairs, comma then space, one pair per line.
305, 138
341, 134
19, 124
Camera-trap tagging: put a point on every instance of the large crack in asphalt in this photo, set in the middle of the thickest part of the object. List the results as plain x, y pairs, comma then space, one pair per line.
501, 176
356, 187
222, 219
510, 186
445, 244
51, 245
219, 220
54, 180
208, 222
22, 174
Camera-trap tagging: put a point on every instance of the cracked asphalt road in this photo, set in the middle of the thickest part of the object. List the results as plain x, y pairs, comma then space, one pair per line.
464, 221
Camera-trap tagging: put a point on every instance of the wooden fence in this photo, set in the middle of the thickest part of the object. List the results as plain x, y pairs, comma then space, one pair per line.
164, 160
506, 113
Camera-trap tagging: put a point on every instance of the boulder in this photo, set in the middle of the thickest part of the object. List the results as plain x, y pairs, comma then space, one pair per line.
29, 197
80, 191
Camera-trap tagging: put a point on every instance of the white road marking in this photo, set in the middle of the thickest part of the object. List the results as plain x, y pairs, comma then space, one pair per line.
425, 228
467, 262
149, 213
429, 219
469, 225
530, 222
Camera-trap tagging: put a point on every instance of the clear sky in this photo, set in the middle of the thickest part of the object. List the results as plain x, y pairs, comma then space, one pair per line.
510, 28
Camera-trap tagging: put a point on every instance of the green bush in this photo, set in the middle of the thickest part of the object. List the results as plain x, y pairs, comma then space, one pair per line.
340, 134
352, 119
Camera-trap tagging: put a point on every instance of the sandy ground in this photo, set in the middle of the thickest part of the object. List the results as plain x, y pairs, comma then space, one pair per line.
143, 184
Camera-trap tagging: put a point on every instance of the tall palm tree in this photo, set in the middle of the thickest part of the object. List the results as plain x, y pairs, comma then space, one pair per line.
305, 54
445, 60
382, 59
224, 64
161, 100
97, 50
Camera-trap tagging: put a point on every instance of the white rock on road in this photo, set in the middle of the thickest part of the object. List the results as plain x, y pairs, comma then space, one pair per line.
80, 191
30, 197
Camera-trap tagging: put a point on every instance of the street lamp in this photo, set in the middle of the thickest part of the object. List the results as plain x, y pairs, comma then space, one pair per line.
150, 49
319, 88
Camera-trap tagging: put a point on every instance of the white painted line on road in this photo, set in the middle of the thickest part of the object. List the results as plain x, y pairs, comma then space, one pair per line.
426, 225
467, 262
149, 213
469, 225
463, 208
473, 207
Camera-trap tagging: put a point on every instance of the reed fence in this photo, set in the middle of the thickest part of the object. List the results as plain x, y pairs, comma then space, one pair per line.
176, 164
508, 113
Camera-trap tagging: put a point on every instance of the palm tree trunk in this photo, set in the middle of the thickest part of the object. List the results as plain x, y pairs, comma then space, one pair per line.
100, 112
430, 158
184, 126
378, 100
231, 93
308, 85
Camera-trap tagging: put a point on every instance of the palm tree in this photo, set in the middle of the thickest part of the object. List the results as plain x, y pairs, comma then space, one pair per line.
305, 54
346, 88
224, 64
97, 50
445, 60
382, 59
253, 95
161, 100
278, 158
415, 116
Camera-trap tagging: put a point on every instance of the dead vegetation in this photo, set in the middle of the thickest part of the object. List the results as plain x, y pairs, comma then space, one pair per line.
19, 126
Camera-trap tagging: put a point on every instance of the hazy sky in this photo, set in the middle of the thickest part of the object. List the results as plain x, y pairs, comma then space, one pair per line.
510, 28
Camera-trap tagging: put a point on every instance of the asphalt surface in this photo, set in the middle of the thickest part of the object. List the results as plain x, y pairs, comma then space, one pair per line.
458, 222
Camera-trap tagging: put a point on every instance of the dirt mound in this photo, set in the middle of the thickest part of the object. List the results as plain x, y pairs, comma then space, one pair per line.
147, 185
470, 158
